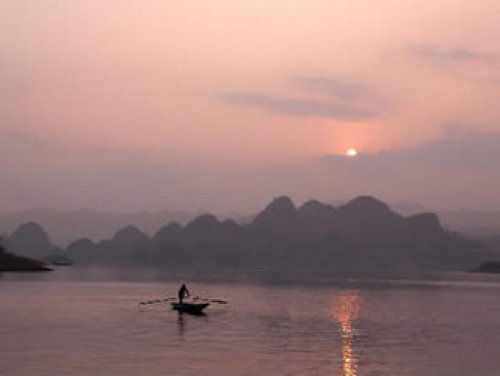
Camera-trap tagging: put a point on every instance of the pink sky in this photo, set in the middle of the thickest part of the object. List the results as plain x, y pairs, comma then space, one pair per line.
221, 105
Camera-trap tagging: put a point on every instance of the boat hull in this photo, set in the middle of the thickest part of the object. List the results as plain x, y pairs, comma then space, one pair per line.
193, 308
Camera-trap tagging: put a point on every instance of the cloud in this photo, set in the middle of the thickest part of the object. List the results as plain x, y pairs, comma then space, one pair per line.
16, 145
298, 107
459, 168
337, 88
454, 55
465, 149
456, 148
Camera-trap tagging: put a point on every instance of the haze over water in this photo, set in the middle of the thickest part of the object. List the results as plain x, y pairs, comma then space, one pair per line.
56, 324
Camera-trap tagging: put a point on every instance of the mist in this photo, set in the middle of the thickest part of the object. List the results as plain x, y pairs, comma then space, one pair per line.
126, 106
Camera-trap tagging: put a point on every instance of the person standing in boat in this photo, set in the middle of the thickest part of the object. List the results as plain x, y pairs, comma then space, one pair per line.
183, 292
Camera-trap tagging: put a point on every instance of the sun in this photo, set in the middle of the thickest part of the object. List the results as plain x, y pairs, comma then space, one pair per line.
351, 152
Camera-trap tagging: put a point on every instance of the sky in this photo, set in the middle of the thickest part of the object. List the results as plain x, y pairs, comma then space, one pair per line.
221, 105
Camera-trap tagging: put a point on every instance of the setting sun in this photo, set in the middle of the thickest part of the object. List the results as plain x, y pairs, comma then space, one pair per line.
351, 152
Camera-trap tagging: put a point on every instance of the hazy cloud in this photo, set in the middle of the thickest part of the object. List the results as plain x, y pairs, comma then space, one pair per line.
454, 55
17, 145
460, 165
293, 106
336, 88
477, 150
456, 148
459, 169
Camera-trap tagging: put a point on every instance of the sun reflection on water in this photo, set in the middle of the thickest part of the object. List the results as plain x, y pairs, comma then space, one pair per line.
345, 311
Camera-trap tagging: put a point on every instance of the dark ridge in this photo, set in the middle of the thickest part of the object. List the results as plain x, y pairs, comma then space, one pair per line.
202, 223
29, 239
14, 263
230, 225
368, 206
280, 210
317, 219
129, 234
362, 236
168, 232
81, 243
424, 223
130, 240
315, 206
81, 249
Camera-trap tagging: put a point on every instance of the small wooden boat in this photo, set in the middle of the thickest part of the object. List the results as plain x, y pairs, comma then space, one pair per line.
193, 308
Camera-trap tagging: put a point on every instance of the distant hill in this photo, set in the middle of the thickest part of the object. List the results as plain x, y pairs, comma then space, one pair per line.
473, 223
492, 242
65, 227
361, 236
31, 240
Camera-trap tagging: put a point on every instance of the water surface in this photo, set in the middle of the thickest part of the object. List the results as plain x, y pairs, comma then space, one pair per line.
63, 326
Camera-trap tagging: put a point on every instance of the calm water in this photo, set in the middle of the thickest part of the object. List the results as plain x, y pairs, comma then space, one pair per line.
59, 326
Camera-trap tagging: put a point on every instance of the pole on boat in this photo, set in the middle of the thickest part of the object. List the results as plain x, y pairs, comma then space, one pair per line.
220, 301
154, 301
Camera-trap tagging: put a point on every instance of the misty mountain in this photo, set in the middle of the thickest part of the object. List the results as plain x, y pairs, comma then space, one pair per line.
472, 222
363, 235
492, 242
407, 208
31, 240
65, 227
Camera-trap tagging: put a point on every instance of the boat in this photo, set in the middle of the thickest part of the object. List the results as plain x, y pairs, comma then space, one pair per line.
193, 308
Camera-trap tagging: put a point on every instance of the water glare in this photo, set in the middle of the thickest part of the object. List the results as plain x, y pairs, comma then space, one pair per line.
345, 311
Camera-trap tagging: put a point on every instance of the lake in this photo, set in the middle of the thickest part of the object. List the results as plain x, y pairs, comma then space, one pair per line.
61, 323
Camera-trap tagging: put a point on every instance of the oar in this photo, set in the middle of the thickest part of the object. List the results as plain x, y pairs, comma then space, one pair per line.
146, 302
220, 301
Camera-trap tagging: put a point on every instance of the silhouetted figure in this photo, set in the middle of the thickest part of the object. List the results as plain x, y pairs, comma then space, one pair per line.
183, 291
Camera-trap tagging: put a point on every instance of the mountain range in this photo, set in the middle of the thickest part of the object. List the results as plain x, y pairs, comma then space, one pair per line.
66, 226
360, 236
